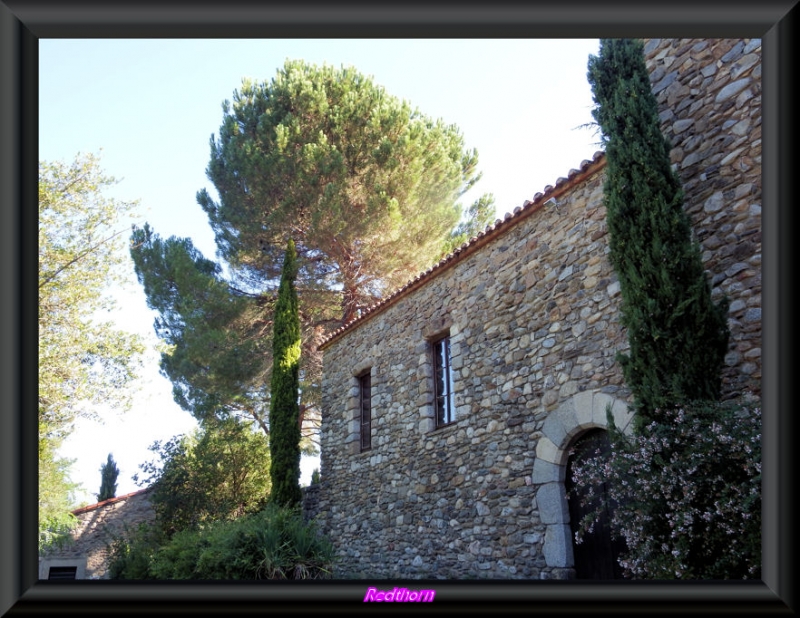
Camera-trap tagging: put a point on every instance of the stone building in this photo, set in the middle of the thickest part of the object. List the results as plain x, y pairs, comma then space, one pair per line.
450, 408
86, 556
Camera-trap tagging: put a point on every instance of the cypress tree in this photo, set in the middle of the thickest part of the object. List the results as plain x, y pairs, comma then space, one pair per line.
284, 411
108, 483
678, 336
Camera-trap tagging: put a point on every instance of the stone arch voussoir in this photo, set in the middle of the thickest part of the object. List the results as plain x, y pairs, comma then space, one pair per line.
576, 415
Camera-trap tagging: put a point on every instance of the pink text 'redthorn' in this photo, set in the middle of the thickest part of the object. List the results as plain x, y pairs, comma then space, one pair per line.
399, 595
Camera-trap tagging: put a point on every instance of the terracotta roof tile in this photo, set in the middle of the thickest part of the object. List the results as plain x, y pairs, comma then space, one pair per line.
92, 507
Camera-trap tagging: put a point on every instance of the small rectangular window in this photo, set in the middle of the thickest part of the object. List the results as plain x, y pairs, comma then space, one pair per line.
443, 382
365, 396
62, 572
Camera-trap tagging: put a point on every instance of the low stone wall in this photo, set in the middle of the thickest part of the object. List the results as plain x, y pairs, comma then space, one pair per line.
310, 501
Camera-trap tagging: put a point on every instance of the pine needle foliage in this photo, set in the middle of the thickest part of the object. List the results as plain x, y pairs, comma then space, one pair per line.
217, 338
367, 187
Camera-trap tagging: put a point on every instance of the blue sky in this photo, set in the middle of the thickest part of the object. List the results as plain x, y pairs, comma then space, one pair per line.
148, 107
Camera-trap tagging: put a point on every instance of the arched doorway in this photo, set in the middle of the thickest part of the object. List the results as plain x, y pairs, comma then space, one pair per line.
596, 556
575, 416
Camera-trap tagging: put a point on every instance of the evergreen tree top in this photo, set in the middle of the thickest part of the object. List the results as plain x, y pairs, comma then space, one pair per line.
109, 473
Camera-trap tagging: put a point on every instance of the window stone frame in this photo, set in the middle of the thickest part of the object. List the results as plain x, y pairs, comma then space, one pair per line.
353, 407
448, 379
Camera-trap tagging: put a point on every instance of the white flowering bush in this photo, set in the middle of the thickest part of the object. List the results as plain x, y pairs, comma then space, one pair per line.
685, 493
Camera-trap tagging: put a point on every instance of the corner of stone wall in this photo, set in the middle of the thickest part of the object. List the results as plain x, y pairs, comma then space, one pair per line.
310, 501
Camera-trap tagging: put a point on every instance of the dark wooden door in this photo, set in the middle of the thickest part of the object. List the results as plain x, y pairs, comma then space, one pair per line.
596, 557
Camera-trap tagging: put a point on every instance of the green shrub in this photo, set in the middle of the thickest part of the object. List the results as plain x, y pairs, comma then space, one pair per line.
275, 543
178, 559
219, 472
131, 555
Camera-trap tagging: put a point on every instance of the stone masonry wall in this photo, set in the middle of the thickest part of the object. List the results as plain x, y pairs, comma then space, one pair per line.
531, 307
709, 93
99, 525
532, 321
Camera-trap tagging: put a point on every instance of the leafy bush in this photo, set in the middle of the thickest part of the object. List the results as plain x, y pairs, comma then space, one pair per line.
56, 496
275, 543
220, 472
54, 532
686, 493
131, 555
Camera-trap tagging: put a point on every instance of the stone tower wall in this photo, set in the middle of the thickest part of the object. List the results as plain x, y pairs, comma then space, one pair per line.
709, 94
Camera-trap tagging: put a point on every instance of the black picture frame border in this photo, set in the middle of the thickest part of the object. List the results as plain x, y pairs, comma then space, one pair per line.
23, 23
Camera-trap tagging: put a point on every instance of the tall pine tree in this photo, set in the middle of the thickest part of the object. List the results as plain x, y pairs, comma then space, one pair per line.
368, 188
284, 410
678, 336
108, 484
366, 185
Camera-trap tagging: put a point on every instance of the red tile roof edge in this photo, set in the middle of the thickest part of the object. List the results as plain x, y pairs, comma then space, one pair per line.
92, 507
491, 232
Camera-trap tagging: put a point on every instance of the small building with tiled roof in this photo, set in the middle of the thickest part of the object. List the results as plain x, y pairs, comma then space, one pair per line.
450, 408
86, 555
